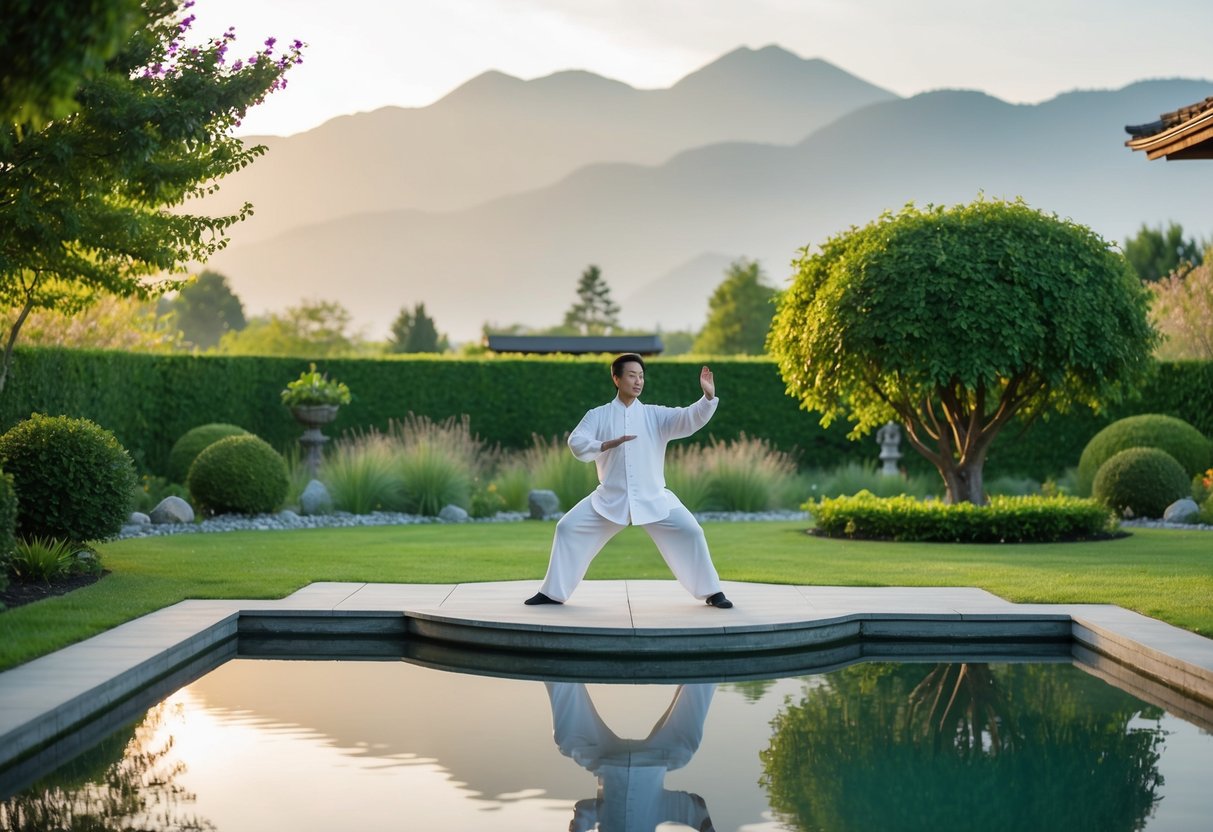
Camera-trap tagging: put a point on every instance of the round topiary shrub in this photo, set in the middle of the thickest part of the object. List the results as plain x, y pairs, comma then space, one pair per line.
193, 442
1184, 443
238, 475
1140, 482
74, 480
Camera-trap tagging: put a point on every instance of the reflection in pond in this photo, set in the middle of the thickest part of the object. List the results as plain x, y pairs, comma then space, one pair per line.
129, 782
314, 746
963, 746
631, 772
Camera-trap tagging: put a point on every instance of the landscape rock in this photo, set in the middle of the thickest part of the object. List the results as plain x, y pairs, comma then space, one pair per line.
315, 499
138, 518
543, 504
1182, 511
287, 516
453, 514
172, 510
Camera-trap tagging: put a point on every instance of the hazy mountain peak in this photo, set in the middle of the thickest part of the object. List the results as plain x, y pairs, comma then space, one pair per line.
485, 85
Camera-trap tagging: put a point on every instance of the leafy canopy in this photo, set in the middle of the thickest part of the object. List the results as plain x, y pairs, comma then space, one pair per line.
952, 320
90, 201
415, 331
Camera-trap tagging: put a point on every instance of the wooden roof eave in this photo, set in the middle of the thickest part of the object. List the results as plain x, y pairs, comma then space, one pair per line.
1180, 141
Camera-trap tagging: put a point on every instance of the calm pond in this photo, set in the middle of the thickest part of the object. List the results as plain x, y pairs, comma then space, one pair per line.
259, 745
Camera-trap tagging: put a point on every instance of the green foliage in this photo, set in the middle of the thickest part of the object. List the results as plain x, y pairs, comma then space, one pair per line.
1155, 253
742, 474
315, 388
238, 475
73, 479
150, 490
108, 322
415, 331
854, 477
1206, 511
47, 559
91, 200
205, 309
1003, 520
433, 480
1140, 482
8, 519
963, 746
1202, 485
313, 329
1181, 440
50, 47
362, 475
953, 321
193, 442
149, 401
739, 313
486, 499
553, 467
594, 313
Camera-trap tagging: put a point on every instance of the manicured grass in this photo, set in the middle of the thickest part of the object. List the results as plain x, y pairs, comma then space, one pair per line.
1162, 573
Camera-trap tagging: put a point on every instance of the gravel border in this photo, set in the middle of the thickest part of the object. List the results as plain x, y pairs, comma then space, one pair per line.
286, 520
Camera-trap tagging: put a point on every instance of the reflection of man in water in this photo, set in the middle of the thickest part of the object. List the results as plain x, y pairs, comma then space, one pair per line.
631, 773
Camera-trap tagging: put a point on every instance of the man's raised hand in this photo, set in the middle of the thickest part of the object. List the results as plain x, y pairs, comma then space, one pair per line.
707, 382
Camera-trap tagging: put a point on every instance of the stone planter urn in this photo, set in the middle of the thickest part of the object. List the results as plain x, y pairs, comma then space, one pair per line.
313, 417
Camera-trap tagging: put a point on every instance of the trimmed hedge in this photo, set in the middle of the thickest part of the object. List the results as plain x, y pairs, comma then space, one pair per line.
239, 475
1141, 482
74, 480
193, 442
1004, 520
1147, 430
148, 401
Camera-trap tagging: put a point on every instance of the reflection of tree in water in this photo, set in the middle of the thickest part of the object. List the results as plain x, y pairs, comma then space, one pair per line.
967, 746
127, 783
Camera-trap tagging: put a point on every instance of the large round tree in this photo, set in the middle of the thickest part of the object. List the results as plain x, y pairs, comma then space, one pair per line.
952, 321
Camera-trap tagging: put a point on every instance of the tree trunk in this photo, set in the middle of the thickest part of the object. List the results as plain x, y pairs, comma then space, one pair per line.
965, 482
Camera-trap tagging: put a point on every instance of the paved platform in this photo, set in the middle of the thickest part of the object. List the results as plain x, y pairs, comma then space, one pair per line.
651, 625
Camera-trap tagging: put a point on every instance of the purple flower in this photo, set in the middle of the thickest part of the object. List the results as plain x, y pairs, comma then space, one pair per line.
236, 67
297, 44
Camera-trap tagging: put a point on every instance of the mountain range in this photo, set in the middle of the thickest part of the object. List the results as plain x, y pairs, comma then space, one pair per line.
488, 204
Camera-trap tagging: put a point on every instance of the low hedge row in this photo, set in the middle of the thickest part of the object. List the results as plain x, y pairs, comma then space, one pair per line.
149, 401
1003, 520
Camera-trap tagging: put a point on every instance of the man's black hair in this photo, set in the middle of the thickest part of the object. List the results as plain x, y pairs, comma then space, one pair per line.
617, 364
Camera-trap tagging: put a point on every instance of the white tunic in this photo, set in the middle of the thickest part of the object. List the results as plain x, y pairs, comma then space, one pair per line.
631, 476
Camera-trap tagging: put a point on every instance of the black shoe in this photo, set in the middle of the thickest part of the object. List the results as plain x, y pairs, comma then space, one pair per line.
540, 598
718, 600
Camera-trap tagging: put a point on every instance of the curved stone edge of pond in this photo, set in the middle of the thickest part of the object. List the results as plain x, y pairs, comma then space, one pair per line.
629, 631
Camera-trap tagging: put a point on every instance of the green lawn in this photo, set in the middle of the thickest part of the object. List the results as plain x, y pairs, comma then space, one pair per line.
1162, 573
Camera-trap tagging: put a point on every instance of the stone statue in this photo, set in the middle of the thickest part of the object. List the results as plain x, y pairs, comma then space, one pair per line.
889, 438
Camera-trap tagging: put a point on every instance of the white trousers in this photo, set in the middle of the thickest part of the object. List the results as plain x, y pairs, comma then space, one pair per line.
582, 532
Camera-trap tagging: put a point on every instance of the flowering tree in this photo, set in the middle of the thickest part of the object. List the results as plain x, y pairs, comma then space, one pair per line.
90, 201
1183, 313
954, 321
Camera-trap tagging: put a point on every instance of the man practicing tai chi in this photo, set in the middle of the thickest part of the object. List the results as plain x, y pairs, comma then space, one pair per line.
627, 440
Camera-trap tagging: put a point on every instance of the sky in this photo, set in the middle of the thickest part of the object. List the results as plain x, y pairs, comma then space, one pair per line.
366, 54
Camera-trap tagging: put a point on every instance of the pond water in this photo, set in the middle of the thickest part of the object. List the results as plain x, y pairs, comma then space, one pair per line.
391, 745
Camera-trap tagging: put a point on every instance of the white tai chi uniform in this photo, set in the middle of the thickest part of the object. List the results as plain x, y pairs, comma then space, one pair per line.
631, 773
631, 489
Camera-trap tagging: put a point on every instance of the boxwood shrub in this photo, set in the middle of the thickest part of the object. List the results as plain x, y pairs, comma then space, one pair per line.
1141, 482
239, 475
193, 442
1003, 520
1181, 440
74, 480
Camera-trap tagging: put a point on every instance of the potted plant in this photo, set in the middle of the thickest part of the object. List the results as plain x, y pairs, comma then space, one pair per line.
314, 398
